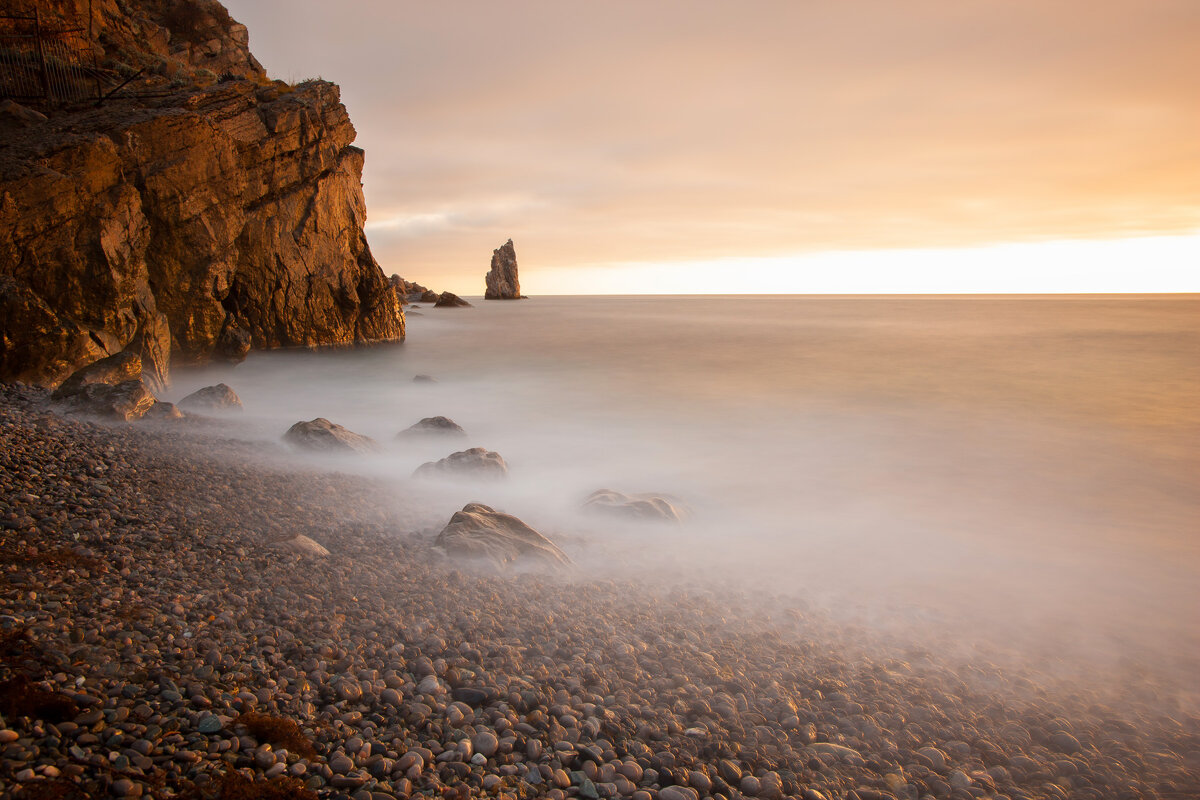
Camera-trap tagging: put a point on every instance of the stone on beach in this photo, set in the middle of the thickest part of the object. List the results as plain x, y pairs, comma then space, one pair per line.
111, 387
301, 545
479, 533
119, 368
474, 463
164, 411
432, 426
126, 401
212, 398
648, 507
321, 435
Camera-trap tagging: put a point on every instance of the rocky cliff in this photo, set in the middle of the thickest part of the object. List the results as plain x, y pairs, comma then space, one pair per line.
218, 216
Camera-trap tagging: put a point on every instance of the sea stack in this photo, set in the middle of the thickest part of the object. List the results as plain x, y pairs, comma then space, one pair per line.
502, 283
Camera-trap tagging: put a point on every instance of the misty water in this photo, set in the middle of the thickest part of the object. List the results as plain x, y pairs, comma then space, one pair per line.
1019, 470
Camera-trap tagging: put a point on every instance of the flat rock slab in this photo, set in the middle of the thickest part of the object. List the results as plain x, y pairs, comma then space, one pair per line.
321, 435
474, 463
480, 534
644, 507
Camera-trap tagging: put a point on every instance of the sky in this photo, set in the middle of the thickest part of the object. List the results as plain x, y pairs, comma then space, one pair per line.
684, 146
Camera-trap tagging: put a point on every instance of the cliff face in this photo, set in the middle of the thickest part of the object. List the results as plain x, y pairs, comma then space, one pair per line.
221, 217
175, 38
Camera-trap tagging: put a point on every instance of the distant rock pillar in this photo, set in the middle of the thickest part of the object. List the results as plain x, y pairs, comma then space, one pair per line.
502, 283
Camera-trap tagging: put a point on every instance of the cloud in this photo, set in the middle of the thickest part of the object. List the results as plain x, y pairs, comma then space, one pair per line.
690, 129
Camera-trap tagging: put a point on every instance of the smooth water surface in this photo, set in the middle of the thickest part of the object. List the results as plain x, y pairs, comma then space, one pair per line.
1023, 464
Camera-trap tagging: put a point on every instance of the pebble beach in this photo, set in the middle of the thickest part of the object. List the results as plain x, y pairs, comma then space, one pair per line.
158, 640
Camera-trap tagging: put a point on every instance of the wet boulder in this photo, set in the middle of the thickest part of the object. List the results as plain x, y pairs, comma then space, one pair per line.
321, 435
431, 427
474, 463
480, 534
642, 507
217, 398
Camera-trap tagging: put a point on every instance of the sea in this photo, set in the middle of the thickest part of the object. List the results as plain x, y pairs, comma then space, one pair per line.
1020, 469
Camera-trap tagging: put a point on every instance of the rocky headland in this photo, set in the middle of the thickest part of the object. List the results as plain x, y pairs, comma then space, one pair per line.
200, 211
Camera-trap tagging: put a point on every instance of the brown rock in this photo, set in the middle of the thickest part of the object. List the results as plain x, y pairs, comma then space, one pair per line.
481, 534
324, 436
475, 463
647, 507
432, 426
501, 280
152, 343
450, 300
164, 411
13, 115
302, 545
212, 398
128, 400
109, 371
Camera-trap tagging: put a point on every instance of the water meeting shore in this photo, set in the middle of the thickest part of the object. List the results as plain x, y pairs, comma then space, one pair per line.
156, 640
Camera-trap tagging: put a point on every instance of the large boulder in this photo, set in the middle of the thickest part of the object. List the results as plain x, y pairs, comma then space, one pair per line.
321, 435
474, 463
643, 507
111, 387
431, 427
127, 401
219, 398
480, 534
124, 366
450, 300
501, 280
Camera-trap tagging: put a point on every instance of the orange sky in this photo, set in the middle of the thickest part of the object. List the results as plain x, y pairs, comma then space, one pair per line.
604, 135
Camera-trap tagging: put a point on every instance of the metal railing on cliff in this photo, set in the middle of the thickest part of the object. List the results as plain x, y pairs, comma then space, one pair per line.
46, 64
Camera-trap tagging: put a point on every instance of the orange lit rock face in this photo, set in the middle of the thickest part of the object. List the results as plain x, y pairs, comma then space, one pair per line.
214, 220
